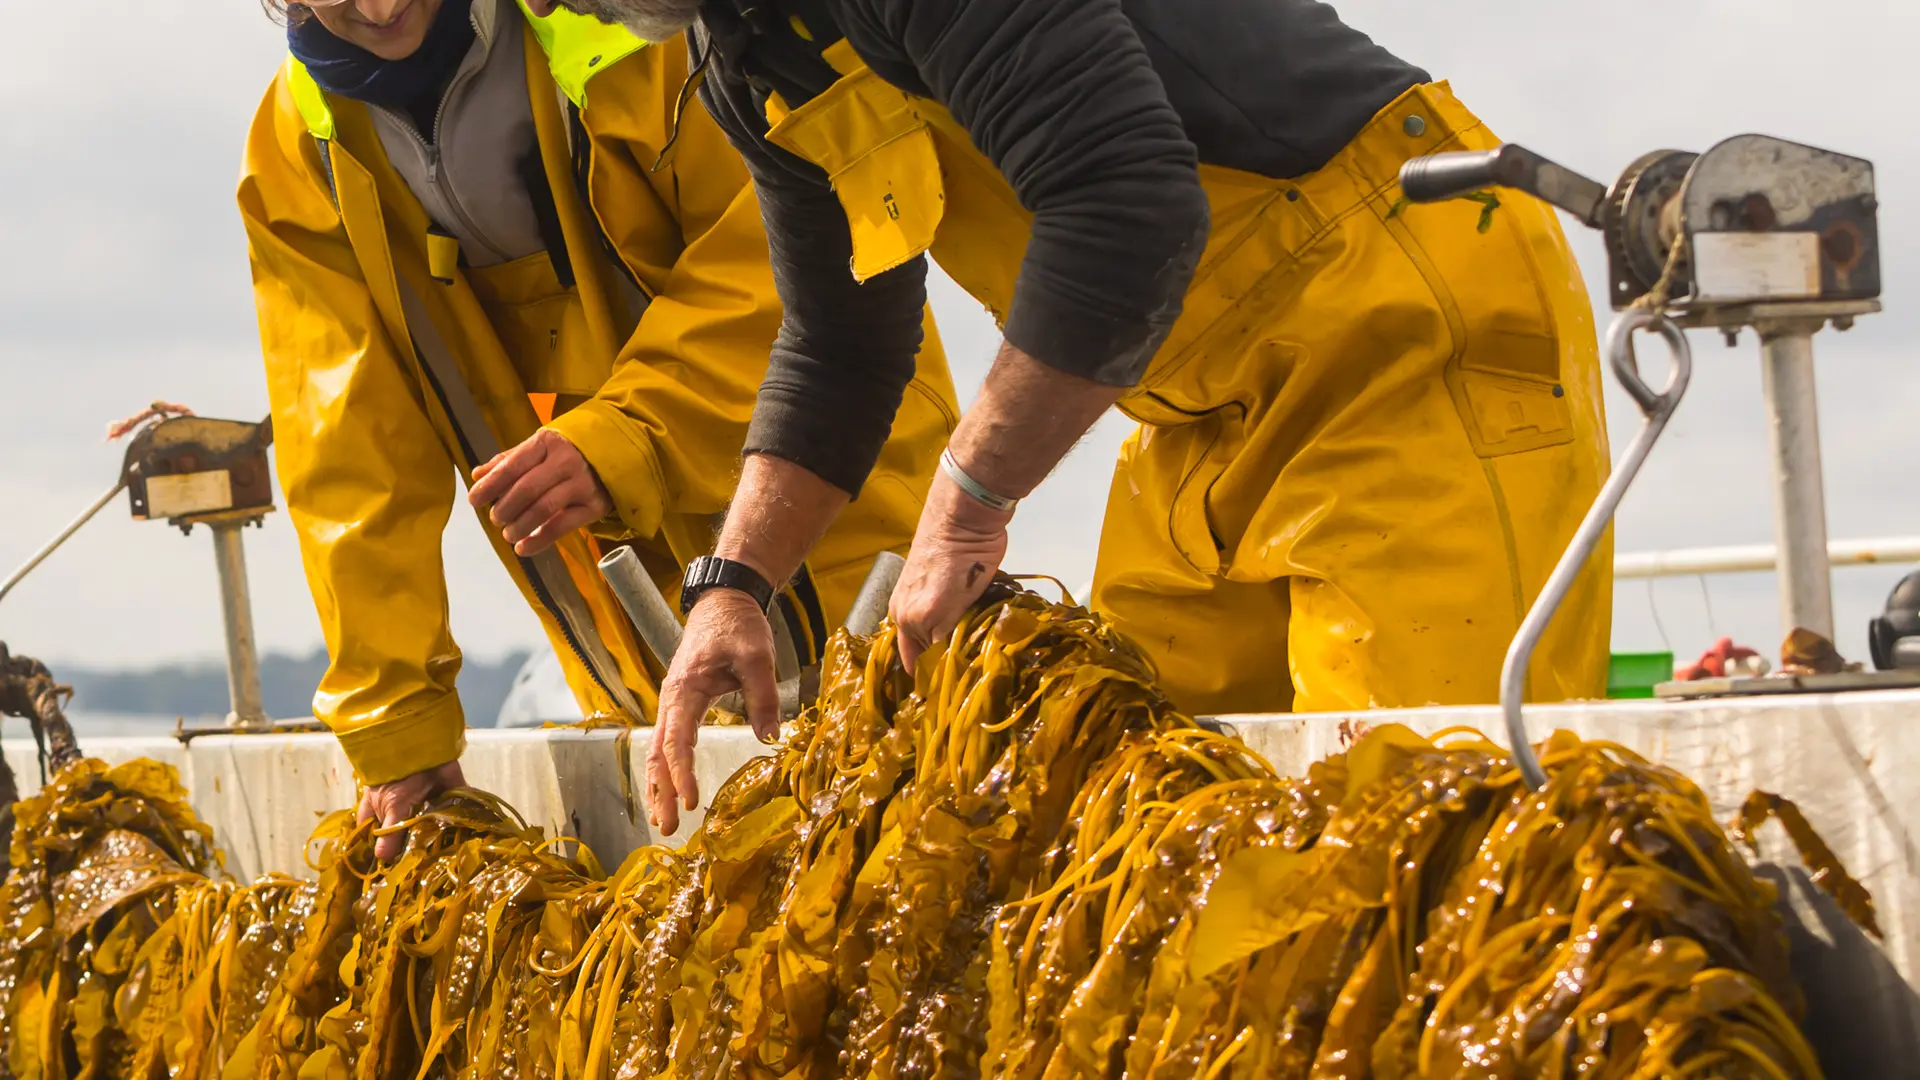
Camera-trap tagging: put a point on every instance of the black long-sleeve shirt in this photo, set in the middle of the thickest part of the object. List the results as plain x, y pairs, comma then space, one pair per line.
1096, 111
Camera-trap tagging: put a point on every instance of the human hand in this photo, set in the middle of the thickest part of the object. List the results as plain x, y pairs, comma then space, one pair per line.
539, 491
958, 546
728, 645
390, 804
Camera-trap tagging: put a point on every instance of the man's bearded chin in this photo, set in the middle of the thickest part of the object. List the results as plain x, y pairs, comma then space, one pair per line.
651, 20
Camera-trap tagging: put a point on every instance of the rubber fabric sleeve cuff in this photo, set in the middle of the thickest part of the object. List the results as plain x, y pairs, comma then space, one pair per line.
621, 452
397, 747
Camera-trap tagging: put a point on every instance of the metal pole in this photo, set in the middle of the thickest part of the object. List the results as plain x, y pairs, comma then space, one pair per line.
651, 614
54, 544
660, 628
871, 605
243, 661
1799, 502
786, 655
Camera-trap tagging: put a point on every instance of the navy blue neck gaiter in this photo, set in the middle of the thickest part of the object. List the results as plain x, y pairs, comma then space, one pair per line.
412, 84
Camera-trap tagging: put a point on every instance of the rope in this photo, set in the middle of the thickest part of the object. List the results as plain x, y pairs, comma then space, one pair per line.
157, 410
1653, 605
1655, 299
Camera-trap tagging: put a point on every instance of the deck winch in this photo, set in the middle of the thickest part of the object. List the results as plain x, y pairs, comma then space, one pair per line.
191, 470
1757, 232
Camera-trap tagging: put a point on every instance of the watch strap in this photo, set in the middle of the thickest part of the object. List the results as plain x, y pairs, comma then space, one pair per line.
712, 572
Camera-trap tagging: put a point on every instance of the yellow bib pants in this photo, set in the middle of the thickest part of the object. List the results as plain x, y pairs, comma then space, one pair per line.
1347, 490
1366, 441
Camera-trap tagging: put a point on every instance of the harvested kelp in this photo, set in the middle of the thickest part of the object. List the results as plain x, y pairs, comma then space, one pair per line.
1022, 862
115, 903
28, 691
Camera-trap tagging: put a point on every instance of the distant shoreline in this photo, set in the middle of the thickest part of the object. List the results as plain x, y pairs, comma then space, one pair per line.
150, 700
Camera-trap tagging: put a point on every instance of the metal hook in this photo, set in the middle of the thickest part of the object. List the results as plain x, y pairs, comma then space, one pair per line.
1658, 407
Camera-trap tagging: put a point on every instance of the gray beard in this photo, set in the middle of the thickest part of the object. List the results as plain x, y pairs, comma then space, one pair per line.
660, 27
649, 20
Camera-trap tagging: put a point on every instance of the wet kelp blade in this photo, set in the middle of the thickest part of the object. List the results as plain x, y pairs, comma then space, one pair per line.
1832, 878
1020, 862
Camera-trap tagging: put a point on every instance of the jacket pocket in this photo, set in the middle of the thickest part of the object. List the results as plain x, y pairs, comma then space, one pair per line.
1174, 462
542, 325
880, 156
1504, 375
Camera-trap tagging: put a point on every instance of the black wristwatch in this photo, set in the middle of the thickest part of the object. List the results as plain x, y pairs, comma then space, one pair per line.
713, 572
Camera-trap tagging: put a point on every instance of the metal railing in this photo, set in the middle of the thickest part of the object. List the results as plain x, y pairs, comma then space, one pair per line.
1752, 558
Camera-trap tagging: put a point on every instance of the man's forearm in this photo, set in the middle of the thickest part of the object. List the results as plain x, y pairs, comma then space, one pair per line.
1027, 417
780, 510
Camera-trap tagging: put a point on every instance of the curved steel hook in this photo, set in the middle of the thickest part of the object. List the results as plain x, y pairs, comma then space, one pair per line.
1658, 406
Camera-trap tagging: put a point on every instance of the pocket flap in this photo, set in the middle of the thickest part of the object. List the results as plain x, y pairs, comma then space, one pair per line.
1509, 415
880, 156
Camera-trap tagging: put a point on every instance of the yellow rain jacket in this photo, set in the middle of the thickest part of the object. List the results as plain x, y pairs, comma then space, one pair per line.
1365, 443
390, 366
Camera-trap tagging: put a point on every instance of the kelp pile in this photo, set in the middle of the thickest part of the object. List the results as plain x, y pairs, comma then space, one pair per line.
1020, 863
125, 949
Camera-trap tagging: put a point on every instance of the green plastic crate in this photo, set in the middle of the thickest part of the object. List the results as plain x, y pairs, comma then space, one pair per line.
1634, 675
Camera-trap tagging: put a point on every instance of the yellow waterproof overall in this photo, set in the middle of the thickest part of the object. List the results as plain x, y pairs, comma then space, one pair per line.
355, 296
1366, 441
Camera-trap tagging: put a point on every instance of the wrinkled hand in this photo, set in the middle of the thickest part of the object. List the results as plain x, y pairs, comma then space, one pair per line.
728, 646
539, 491
390, 804
958, 546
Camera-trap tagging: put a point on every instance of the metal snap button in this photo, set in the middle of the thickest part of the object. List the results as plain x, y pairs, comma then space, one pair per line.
1414, 126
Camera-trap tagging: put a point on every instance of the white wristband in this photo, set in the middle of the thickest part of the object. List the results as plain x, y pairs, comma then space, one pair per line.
971, 486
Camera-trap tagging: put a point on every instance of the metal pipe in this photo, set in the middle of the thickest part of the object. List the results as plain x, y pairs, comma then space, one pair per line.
1800, 502
875, 594
243, 660
52, 545
659, 627
786, 655
1753, 558
1658, 408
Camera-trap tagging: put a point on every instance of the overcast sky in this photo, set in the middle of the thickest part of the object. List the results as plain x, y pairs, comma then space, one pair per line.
125, 279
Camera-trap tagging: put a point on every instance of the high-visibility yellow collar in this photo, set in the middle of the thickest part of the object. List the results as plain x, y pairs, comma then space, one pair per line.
577, 48
310, 100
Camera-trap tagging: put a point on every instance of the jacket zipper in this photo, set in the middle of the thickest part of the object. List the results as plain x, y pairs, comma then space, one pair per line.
568, 631
580, 171
437, 181
430, 149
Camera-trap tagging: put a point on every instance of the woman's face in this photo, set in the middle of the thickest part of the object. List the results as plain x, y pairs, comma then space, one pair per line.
389, 29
